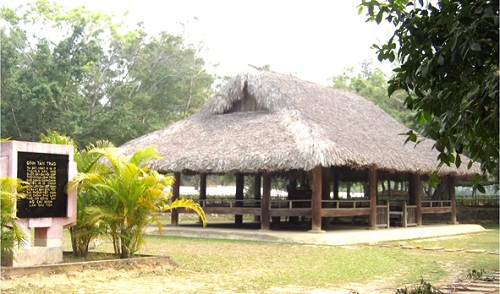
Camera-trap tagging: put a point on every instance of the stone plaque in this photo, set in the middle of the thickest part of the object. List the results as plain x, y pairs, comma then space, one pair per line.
48, 176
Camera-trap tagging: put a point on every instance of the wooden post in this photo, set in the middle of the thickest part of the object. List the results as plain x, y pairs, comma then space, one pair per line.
175, 195
416, 185
335, 183
257, 193
405, 215
203, 191
316, 199
265, 222
325, 194
240, 183
372, 185
451, 191
325, 184
411, 189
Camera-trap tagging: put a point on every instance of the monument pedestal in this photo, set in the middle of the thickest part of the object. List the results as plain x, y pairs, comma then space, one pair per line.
47, 208
32, 256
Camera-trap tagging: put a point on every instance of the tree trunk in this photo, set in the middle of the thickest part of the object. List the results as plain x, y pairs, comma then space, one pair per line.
441, 192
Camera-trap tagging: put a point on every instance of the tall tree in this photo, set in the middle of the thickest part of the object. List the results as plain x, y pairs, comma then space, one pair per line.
448, 56
82, 73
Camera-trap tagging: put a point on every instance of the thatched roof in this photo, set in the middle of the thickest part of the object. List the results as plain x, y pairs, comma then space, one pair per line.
263, 121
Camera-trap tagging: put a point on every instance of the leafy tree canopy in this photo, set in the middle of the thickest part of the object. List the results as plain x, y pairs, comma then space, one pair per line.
447, 53
81, 73
371, 83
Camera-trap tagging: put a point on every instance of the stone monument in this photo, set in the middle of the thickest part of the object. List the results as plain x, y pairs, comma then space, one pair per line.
47, 208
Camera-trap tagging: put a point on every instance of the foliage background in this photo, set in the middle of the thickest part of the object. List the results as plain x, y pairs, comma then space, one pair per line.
83, 74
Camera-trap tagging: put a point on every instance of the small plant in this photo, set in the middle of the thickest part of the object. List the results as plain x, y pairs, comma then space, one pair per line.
475, 274
422, 288
12, 235
131, 194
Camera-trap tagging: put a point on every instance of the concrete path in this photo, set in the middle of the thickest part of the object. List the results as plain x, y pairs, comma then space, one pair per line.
331, 237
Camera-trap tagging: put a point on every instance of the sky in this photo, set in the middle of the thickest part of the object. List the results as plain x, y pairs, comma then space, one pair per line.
312, 40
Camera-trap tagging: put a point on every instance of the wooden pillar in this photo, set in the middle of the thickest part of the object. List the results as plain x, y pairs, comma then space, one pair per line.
240, 183
325, 194
325, 184
335, 183
265, 223
416, 195
175, 195
451, 191
372, 186
257, 193
203, 191
411, 190
316, 199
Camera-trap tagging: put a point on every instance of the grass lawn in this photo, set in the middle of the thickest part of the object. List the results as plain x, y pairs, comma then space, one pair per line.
225, 266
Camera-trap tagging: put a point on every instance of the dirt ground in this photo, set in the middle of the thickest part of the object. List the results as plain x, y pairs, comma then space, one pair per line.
149, 277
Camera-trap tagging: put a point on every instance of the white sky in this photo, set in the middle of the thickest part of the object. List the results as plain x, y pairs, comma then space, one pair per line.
313, 40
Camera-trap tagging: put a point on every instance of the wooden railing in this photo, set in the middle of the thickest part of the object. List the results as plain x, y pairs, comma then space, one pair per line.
282, 203
409, 215
290, 204
229, 202
383, 216
336, 204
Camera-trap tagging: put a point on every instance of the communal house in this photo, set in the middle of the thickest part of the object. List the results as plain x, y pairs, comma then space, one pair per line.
266, 125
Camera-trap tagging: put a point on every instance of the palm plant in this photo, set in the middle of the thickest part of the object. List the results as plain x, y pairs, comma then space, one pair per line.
86, 229
132, 194
11, 189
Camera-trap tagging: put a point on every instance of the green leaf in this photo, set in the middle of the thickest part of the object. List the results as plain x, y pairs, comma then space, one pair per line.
392, 56
475, 47
378, 18
420, 118
411, 137
428, 116
433, 179
458, 160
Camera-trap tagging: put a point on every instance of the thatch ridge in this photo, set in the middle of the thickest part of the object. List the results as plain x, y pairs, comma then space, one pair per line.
298, 125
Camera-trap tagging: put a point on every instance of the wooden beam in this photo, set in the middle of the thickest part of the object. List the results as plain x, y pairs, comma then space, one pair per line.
174, 219
265, 222
372, 185
452, 195
340, 212
240, 183
316, 199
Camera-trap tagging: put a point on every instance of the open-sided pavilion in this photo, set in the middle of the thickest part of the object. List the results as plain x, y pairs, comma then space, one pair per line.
263, 124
